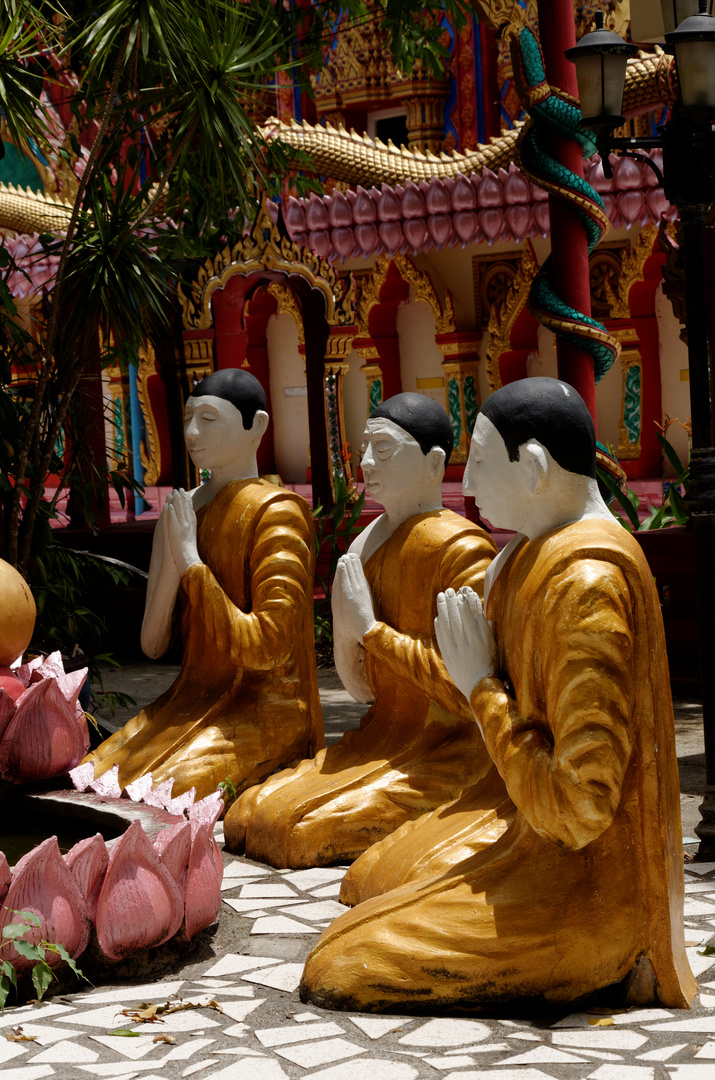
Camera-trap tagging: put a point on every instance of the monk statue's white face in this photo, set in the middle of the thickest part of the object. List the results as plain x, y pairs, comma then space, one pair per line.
214, 432
500, 487
393, 464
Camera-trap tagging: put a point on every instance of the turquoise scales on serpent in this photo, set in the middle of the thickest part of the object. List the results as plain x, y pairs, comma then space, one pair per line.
552, 111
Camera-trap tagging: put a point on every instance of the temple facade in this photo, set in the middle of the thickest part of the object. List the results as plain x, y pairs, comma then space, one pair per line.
411, 267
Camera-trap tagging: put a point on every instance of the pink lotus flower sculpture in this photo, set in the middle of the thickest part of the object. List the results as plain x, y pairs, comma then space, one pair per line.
131, 896
43, 729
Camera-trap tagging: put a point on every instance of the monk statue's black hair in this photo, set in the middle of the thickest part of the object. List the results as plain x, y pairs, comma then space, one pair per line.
422, 418
551, 412
237, 386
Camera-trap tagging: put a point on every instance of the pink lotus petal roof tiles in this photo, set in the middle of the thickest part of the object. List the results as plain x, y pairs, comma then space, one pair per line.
461, 211
203, 886
43, 738
88, 861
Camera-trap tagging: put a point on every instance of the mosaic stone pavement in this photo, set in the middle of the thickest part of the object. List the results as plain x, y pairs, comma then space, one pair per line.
263, 1032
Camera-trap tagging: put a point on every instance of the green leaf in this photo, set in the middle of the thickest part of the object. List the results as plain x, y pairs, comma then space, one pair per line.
623, 499
4, 991
671, 453
42, 976
125, 1033
29, 951
8, 971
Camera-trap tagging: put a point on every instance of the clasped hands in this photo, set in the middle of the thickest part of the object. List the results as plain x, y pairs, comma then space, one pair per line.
180, 524
465, 638
352, 599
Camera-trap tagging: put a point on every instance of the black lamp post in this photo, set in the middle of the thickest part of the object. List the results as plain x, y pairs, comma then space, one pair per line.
688, 144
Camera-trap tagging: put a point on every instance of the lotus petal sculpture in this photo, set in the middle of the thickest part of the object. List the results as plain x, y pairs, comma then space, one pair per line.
140, 905
88, 860
43, 884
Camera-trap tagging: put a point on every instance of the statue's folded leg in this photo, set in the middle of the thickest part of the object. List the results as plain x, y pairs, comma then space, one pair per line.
450, 940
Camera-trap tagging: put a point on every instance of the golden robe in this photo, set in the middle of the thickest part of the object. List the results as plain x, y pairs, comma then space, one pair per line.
246, 700
416, 747
581, 884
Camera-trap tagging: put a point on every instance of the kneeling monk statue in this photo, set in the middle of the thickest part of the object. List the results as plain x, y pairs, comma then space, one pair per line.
418, 745
581, 889
233, 559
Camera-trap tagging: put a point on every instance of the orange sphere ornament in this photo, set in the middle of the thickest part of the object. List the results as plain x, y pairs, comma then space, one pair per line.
17, 614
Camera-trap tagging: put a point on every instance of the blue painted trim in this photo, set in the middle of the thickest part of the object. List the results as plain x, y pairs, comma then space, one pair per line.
137, 425
447, 125
479, 81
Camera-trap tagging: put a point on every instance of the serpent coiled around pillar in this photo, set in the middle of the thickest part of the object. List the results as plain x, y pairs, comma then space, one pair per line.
551, 111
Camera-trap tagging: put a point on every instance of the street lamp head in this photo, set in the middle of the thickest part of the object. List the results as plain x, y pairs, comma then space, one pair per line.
676, 11
694, 42
600, 58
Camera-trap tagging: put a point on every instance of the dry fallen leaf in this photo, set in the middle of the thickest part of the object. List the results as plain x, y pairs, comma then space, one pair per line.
152, 1014
204, 1003
15, 1035
600, 1021
145, 1013
164, 1038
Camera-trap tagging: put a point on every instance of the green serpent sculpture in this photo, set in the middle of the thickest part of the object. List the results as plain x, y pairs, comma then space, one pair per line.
551, 111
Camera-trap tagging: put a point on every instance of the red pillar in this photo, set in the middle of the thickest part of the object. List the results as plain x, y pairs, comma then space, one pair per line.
557, 32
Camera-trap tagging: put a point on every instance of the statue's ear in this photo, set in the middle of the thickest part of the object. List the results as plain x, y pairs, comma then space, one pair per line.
437, 459
260, 424
536, 465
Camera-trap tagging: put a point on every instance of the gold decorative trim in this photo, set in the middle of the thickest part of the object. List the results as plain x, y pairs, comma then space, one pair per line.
288, 305
503, 317
260, 250
339, 346
632, 271
151, 457
197, 349
421, 287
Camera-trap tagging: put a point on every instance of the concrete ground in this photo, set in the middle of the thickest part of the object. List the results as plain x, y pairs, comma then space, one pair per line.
248, 1023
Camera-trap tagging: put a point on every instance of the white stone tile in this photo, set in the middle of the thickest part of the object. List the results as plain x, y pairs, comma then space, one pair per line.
313, 879
188, 1049
122, 994
228, 991
237, 1031
250, 1068
697, 937
529, 1036
331, 891
446, 1032
12, 1017
701, 867
482, 1048
663, 1053
10, 1050
457, 1061
303, 1018
213, 984
27, 1072
707, 1001
601, 1055
519, 1073
241, 905
698, 963
543, 1055
134, 1047
239, 1010
310, 1055
375, 1026
368, 1069
325, 909
66, 1053
513, 1023
698, 886
45, 1034
199, 1066
605, 1038
232, 964
707, 1051
284, 977
267, 889
281, 924
253, 914
236, 883
685, 1072
701, 1024
282, 1036
642, 1016
238, 869
623, 1072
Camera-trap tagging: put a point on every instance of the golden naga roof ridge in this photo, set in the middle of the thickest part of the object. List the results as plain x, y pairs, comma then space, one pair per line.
351, 158
27, 211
